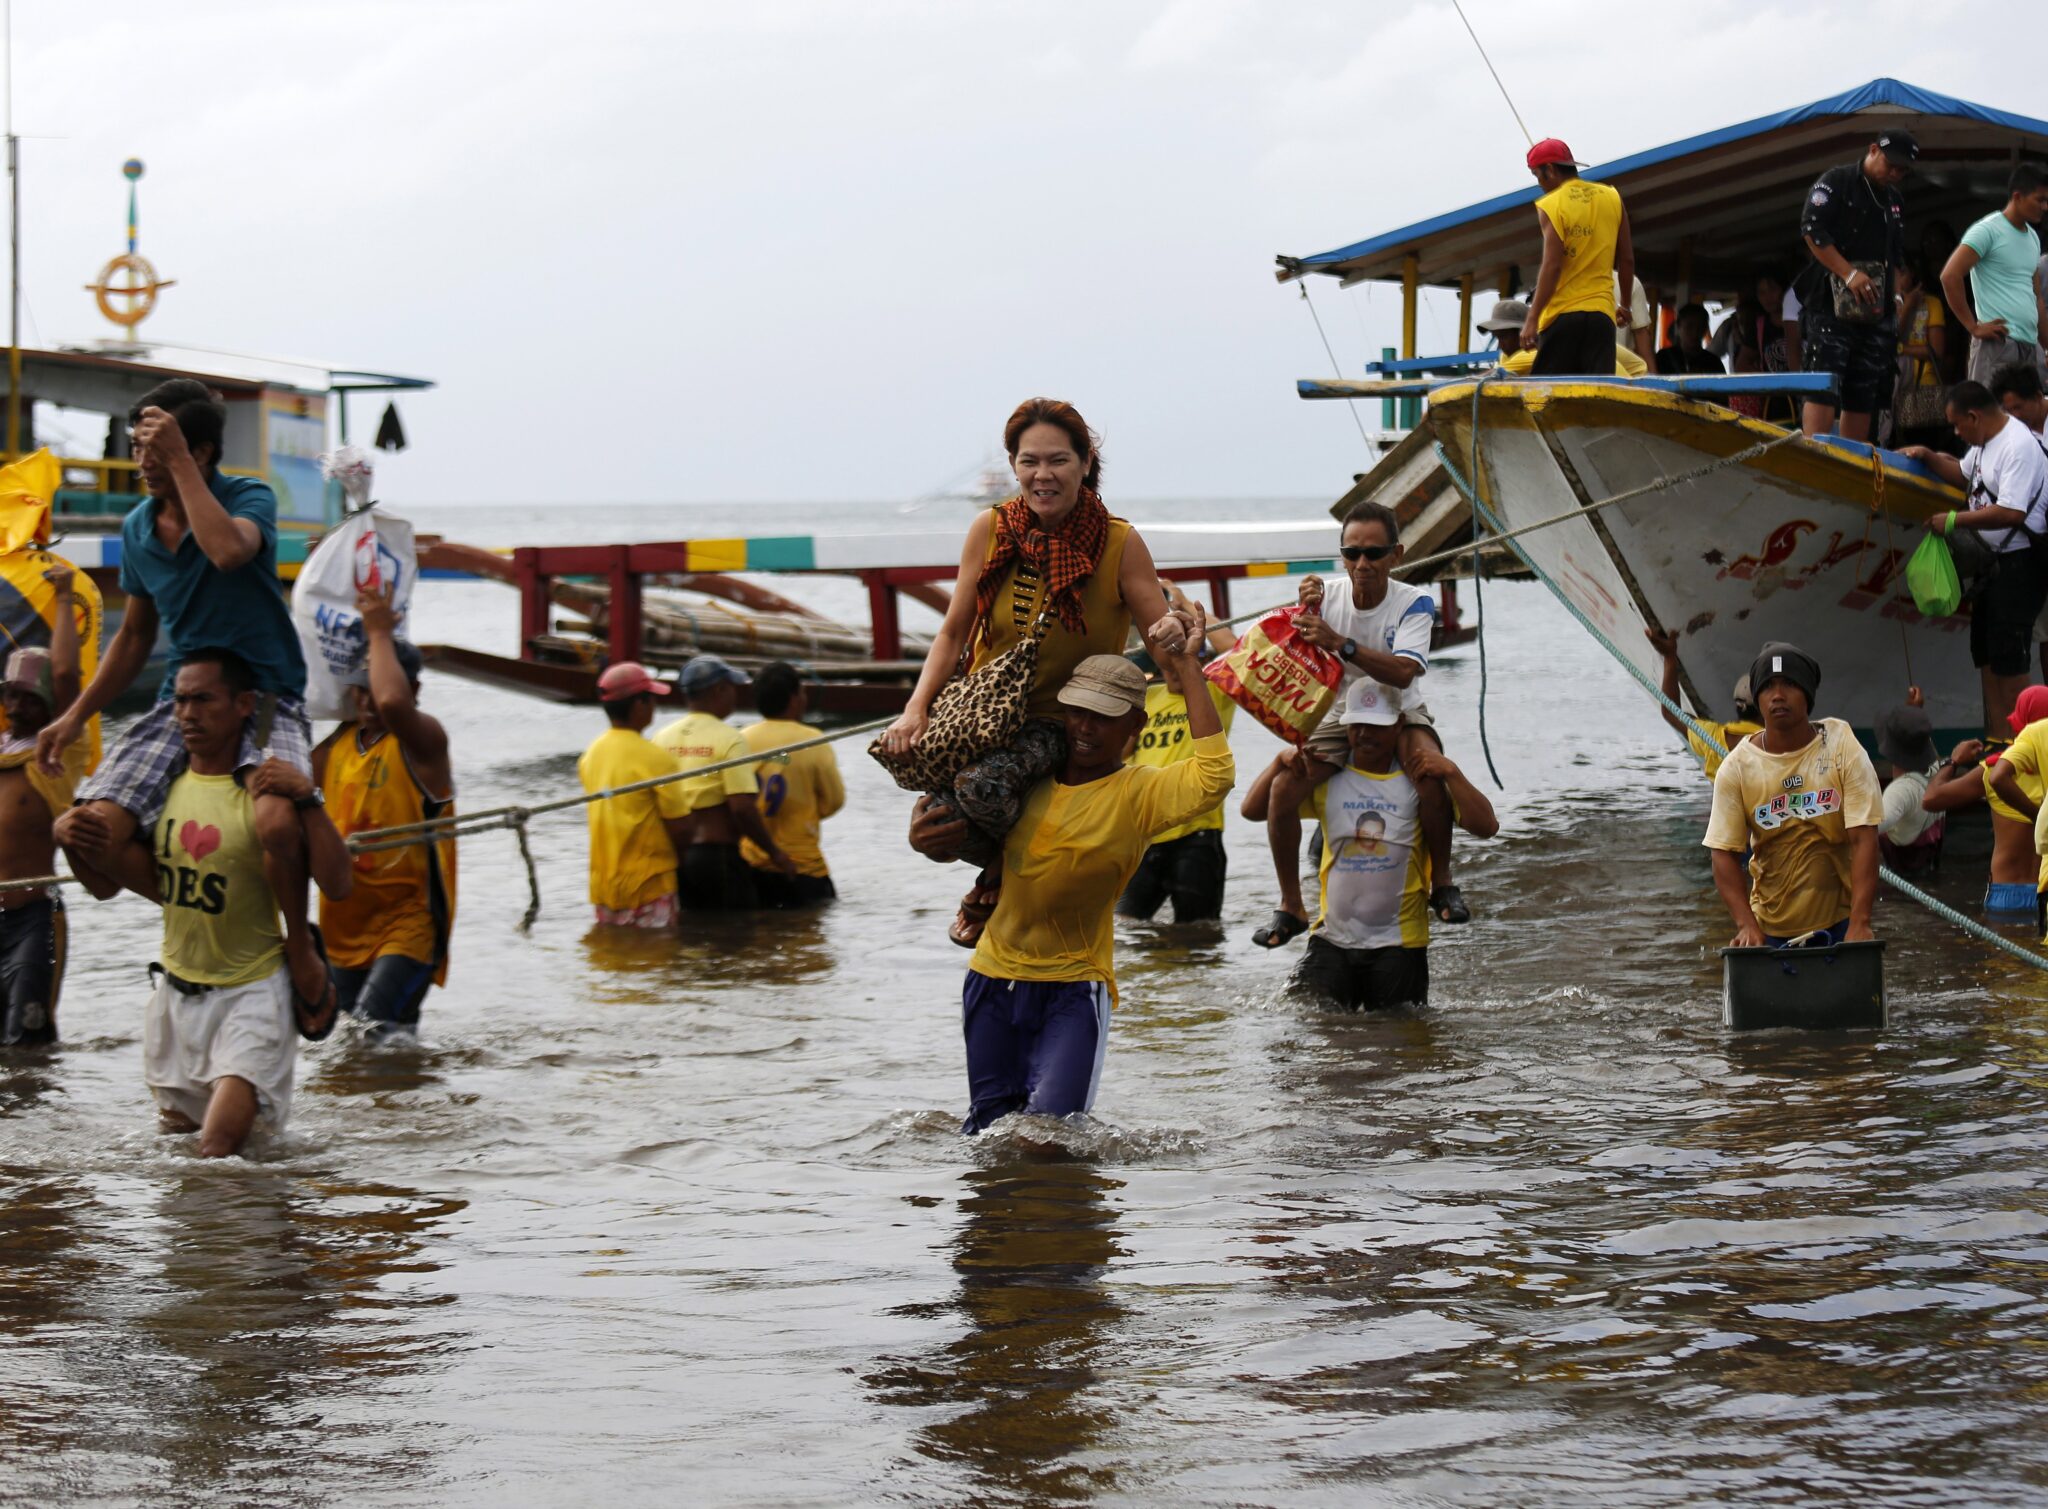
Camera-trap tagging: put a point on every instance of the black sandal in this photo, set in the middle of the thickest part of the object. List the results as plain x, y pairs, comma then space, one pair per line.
1448, 905
315, 1019
1283, 929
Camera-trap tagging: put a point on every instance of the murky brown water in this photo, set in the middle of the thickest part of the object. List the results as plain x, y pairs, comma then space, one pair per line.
659, 1223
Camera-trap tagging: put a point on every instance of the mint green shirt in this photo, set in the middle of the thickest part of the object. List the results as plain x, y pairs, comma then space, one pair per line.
2002, 282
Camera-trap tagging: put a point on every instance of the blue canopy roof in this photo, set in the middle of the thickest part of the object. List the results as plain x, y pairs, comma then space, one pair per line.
1734, 193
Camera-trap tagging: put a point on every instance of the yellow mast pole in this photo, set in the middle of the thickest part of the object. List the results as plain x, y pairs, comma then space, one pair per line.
1465, 312
1411, 282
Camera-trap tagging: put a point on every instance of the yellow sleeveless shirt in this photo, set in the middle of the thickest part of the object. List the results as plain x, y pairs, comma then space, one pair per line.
1022, 597
404, 899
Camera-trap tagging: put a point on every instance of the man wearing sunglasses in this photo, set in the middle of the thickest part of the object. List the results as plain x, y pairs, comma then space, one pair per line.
1379, 629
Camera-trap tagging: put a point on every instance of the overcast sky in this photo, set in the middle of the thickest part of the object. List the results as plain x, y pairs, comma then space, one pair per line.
817, 249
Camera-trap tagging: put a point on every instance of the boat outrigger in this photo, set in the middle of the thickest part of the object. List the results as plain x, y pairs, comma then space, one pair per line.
1802, 539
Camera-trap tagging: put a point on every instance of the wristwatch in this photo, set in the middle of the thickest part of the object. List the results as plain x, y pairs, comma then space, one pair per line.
1350, 649
314, 798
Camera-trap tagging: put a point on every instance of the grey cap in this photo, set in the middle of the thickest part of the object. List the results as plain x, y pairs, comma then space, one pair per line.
706, 671
409, 661
1905, 736
1506, 314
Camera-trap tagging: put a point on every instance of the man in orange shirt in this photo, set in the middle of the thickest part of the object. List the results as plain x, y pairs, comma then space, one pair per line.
387, 939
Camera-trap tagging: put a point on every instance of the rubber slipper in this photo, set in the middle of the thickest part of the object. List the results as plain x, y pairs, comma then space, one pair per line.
315, 1020
973, 917
1284, 928
1448, 905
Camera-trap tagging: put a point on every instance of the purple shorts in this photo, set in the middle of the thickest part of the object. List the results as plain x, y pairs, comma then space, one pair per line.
1032, 1045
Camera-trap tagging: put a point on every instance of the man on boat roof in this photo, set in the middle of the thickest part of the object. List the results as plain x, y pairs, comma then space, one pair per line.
1587, 257
1853, 223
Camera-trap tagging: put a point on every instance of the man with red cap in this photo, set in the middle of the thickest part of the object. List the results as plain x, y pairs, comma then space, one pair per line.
634, 838
1587, 255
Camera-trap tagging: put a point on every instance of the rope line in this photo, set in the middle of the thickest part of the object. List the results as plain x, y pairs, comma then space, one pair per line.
1335, 365
1904, 887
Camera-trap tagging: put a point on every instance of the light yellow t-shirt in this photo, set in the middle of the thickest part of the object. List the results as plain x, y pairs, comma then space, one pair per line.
1165, 742
1626, 362
1793, 812
1073, 851
1587, 218
220, 916
1730, 734
798, 792
632, 861
700, 739
2025, 755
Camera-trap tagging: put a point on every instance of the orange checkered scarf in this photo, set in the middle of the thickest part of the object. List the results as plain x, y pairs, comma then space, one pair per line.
1065, 557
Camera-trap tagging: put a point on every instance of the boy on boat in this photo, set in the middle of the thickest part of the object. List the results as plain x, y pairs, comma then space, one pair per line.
635, 837
1802, 798
40, 685
1379, 628
388, 940
1185, 864
725, 805
798, 792
218, 1041
199, 558
1370, 947
1037, 998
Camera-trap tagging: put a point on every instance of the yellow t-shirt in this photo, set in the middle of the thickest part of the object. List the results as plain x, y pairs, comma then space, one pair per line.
1626, 362
1165, 742
220, 916
1587, 219
632, 861
700, 739
1793, 812
798, 792
2024, 754
1730, 734
1073, 851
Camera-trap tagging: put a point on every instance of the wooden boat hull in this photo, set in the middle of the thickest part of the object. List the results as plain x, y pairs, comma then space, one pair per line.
1806, 543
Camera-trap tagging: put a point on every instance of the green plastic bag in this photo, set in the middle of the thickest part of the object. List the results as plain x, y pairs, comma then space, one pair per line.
1931, 575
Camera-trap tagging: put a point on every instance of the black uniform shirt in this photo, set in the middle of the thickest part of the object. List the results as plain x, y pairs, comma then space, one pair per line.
1862, 220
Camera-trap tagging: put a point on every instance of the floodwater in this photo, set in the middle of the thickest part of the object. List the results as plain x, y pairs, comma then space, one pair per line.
653, 1222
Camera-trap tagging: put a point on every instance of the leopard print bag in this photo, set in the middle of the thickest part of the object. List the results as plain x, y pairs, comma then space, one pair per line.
973, 715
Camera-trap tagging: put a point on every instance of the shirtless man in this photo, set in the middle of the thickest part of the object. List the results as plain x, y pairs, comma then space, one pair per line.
40, 684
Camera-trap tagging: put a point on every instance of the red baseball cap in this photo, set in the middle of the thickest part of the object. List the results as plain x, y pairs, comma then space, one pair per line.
1549, 150
629, 678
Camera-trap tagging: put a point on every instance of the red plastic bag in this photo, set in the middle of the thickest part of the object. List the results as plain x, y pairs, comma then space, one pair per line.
1279, 677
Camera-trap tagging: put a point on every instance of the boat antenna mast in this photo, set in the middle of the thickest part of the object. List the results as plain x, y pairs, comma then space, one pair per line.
13, 237
139, 283
1492, 70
